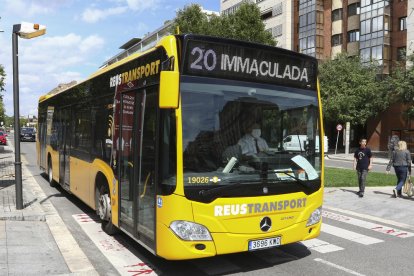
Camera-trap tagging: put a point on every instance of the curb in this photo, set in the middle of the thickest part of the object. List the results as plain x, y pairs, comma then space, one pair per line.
23, 217
330, 157
39, 208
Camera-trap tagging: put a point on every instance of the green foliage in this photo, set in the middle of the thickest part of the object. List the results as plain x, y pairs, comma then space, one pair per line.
402, 84
8, 121
2, 110
2, 84
191, 20
23, 122
335, 177
2, 77
244, 24
351, 91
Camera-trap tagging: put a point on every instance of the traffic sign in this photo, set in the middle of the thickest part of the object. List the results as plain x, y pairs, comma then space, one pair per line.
338, 128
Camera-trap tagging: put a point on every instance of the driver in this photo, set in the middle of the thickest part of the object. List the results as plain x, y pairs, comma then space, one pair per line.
251, 143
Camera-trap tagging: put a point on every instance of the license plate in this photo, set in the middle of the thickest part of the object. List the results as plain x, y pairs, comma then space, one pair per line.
265, 243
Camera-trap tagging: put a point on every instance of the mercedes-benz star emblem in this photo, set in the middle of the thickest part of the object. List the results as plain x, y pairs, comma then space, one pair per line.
265, 224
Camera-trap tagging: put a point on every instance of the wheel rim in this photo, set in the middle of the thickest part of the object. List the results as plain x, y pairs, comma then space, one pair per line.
104, 207
50, 174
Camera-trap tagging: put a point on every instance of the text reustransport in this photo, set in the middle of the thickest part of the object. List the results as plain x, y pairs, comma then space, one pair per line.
254, 208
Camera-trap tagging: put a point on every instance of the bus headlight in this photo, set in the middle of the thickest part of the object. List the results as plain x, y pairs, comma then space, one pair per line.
190, 231
315, 217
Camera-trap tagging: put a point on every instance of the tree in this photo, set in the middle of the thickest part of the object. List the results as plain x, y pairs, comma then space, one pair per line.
244, 24
351, 91
2, 77
191, 19
402, 84
248, 25
8, 121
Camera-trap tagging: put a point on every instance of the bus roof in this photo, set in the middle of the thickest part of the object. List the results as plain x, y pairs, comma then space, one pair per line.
183, 38
107, 68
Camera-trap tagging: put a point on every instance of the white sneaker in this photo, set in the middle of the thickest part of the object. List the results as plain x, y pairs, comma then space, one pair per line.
394, 191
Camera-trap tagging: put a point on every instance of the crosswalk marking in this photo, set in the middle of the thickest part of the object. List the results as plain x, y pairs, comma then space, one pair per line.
321, 246
338, 267
349, 235
368, 225
325, 247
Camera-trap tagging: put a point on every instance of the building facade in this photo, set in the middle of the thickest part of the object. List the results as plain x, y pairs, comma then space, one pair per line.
381, 30
410, 27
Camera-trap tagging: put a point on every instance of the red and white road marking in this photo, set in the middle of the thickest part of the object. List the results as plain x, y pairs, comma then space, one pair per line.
117, 254
349, 235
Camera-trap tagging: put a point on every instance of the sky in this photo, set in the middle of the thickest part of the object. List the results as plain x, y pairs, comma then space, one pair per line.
80, 36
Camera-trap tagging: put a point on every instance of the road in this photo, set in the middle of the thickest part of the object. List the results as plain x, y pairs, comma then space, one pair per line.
359, 237
346, 164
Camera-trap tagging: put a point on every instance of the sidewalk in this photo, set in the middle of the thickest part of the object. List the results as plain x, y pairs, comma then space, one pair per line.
377, 204
34, 240
379, 157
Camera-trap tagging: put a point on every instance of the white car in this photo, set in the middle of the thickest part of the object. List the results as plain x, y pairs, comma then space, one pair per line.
298, 142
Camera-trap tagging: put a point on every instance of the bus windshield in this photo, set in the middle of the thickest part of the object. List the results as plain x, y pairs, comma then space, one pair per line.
255, 135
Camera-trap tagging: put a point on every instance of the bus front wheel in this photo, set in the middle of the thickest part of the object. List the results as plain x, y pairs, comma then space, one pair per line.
52, 183
104, 212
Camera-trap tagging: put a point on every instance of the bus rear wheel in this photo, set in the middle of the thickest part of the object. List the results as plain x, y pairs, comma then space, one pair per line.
104, 211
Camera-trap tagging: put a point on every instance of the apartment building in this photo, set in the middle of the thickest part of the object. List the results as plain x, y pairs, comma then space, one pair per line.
137, 44
277, 15
410, 27
381, 30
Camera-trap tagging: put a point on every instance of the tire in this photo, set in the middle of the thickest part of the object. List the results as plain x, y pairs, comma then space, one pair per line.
52, 183
104, 211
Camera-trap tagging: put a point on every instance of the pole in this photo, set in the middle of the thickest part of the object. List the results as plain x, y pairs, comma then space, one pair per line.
337, 136
347, 131
17, 159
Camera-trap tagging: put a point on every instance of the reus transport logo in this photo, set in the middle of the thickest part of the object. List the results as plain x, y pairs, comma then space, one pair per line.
258, 208
140, 72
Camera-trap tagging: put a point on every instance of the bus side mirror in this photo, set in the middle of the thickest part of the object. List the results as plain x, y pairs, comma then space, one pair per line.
169, 89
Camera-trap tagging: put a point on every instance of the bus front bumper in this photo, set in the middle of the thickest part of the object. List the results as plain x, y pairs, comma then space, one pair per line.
171, 247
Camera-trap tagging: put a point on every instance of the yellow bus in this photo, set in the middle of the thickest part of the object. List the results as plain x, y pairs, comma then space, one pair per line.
181, 146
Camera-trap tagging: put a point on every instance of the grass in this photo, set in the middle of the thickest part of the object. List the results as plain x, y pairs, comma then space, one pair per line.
348, 178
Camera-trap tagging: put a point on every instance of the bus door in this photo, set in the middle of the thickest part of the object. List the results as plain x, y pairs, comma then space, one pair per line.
137, 160
64, 148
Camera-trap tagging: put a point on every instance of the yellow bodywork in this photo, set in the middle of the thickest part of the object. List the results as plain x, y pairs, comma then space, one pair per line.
232, 233
82, 179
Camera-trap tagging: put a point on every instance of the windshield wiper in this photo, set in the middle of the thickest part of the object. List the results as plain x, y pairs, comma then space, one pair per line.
298, 180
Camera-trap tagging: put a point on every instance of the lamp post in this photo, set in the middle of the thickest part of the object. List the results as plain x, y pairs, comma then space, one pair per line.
27, 31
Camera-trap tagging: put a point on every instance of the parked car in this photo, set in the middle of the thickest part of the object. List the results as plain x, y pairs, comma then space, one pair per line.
27, 134
298, 142
3, 140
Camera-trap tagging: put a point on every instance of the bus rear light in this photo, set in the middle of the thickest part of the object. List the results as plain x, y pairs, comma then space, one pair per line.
315, 217
190, 231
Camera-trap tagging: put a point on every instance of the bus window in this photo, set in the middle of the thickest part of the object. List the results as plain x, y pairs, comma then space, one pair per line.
146, 189
168, 151
126, 146
102, 135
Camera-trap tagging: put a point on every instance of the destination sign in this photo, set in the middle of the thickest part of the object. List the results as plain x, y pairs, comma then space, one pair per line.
250, 63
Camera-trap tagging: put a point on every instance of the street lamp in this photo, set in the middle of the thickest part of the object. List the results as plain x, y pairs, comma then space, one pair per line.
27, 31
